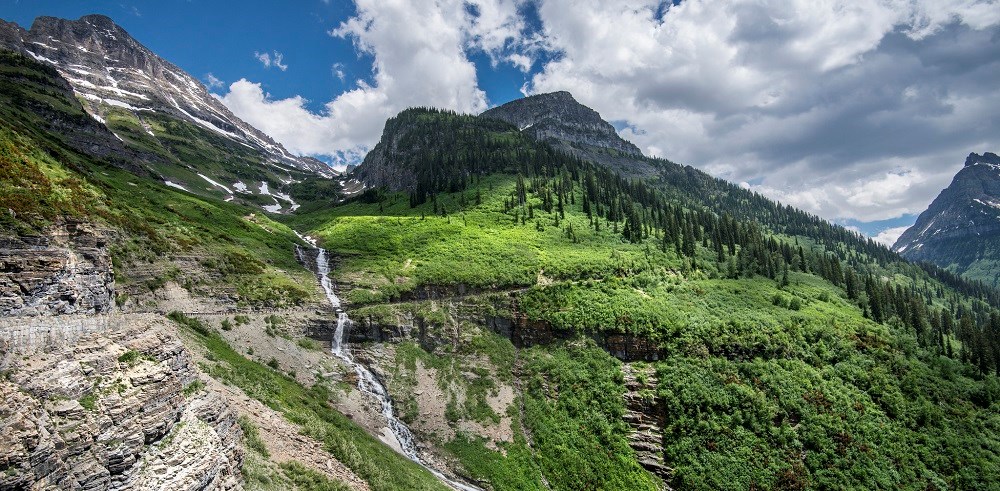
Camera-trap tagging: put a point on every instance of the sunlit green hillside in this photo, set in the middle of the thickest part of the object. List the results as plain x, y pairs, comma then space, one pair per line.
785, 361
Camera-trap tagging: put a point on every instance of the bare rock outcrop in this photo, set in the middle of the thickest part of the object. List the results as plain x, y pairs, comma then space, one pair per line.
644, 416
67, 271
110, 412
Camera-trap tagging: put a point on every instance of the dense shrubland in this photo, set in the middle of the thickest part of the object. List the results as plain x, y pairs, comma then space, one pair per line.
796, 353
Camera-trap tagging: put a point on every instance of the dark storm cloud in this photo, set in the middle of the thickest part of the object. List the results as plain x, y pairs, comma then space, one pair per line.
848, 109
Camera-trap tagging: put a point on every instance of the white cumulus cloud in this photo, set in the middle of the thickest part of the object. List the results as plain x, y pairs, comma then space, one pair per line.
213, 82
420, 52
847, 109
814, 101
889, 236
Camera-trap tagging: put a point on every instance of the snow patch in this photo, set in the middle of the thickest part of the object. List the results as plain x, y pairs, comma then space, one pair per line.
174, 185
204, 123
275, 208
276, 196
240, 187
42, 58
117, 103
308, 240
992, 204
210, 181
81, 71
82, 83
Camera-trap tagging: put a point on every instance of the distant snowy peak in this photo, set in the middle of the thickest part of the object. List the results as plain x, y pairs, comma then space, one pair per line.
989, 159
962, 225
105, 65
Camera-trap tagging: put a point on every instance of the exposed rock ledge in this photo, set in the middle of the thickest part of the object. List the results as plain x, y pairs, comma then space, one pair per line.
67, 271
109, 412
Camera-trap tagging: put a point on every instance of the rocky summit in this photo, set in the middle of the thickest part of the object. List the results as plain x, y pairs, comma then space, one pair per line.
109, 69
559, 119
558, 116
960, 230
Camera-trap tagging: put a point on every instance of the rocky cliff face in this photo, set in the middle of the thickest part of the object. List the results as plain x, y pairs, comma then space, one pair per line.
67, 271
110, 412
108, 68
961, 228
558, 116
646, 418
95, 399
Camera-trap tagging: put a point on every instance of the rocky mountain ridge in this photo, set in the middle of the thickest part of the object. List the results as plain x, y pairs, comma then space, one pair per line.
558, 116
555, 120
961, 227
560, 120
108, 67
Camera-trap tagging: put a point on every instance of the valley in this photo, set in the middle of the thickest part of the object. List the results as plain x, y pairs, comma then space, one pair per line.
516, 300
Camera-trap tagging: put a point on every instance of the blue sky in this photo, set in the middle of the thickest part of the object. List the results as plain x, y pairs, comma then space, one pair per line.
859, 112
205, 37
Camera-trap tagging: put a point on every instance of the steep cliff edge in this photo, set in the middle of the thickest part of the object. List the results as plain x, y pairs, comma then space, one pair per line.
66, 271
96, 399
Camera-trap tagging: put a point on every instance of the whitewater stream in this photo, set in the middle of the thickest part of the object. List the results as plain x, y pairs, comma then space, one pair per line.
367, 382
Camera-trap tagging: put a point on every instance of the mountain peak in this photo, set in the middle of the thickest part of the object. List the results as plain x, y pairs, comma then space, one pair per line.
99, 20
986, 158
961, 225
558, 118
563, 95
111, 71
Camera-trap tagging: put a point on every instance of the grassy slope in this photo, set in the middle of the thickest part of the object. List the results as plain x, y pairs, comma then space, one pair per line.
756, 393
381, 467
181, 150
42, 183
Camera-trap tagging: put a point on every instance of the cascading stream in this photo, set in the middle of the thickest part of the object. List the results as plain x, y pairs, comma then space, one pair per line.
367, 382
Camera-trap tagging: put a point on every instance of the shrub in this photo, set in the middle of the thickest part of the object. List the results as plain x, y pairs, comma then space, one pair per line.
89, 401
795, 304
193, 388
251, 436
192, 323
130, 357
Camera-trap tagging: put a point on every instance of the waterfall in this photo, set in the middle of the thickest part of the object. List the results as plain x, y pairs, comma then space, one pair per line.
367, 381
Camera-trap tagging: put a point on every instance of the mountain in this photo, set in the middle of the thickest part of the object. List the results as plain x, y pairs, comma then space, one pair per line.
743, 343
960, 230
170, 121
499, 309
557, 118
